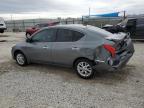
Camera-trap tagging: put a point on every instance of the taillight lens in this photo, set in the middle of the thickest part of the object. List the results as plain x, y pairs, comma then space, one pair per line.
110, 49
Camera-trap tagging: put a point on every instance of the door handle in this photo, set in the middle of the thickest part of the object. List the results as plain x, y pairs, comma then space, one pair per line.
75, 48
45, 47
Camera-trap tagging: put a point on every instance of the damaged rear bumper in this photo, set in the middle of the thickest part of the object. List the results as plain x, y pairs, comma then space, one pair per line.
113, 64
120, 60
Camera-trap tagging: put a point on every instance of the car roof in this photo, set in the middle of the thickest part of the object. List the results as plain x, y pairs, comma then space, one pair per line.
70, 26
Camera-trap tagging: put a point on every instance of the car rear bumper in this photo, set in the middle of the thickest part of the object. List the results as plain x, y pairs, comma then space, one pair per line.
116, 63
119, 61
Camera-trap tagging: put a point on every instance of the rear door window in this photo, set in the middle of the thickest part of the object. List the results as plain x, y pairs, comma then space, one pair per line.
65, 35
77, 35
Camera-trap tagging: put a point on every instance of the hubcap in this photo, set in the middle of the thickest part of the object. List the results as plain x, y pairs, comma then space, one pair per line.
128, 33
20, 59
28, 35
84, 69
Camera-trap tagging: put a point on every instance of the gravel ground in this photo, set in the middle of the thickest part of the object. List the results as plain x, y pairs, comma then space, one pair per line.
45, 86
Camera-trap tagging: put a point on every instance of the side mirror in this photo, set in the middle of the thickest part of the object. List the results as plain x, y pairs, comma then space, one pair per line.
29, 40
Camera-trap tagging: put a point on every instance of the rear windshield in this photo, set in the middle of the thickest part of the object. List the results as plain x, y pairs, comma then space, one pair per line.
100, 31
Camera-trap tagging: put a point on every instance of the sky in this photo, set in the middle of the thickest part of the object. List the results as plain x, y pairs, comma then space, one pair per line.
25, 9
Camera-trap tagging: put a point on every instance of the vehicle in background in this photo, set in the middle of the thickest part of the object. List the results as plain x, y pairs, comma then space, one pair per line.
85, 48
37, 27
133, 26
2, 25
113, 28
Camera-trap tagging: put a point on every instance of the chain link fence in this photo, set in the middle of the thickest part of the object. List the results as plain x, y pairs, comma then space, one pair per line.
22, 25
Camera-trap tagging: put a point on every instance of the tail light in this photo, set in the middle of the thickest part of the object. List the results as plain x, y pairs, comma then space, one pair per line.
110, 49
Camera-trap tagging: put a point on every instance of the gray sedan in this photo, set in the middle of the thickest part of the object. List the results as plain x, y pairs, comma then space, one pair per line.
85, 48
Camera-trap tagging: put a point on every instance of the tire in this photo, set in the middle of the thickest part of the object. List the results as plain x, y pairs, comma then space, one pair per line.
84, 68
128, 33
28, 35
20, 59
1, 31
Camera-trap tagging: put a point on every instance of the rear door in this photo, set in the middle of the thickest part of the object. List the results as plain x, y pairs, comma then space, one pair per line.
66, 47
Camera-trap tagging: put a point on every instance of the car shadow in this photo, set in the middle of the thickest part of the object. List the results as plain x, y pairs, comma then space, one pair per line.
113, 77
4, 35
69, 75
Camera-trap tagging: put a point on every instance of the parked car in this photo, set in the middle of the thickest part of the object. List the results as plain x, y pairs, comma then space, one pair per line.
133, 26
2, 25
37, 27
85, 48
113, 28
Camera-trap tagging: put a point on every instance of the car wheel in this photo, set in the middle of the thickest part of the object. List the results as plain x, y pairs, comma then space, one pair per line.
2, 31
84, 68
28, 35
128, 33
20, 59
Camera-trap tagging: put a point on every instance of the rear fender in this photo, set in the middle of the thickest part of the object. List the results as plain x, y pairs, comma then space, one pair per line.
101, 54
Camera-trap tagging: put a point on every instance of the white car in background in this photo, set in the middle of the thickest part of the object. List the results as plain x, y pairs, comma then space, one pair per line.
2, 25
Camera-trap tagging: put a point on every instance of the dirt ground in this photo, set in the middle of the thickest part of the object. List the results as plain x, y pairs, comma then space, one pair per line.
45, 86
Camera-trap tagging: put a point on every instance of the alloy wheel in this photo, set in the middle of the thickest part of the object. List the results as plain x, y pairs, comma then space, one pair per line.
84, 69
20, 59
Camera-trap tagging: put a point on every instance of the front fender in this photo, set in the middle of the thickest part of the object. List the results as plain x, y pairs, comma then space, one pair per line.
16, 49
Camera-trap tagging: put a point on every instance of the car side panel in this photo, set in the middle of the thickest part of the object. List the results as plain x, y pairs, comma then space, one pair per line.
39, 52
65, 52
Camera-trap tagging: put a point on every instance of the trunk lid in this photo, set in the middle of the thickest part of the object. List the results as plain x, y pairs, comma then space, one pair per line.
124, 48
117, 37
121, 42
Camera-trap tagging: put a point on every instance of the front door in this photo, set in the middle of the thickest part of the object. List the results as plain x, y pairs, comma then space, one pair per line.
40, 47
